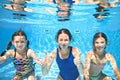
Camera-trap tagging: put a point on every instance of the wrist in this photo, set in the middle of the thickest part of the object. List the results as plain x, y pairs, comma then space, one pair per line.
118, 77
4, 57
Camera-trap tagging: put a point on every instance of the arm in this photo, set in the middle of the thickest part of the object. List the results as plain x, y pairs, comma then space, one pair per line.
49, 1
87, 66
31, 0
5, 56
77, 60
28, 9
48, 62
92, 2
77, 1
32, 54
89, 1
8, 6
50, 10
114, 65
2, 58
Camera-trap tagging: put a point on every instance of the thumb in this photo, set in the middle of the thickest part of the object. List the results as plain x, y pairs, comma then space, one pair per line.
45, 53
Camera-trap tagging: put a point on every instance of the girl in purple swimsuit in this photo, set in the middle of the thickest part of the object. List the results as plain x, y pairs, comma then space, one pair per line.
67, 58
22, 56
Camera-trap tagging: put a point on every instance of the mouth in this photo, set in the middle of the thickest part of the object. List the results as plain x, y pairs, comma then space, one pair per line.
20, 48
64, 46
100, 48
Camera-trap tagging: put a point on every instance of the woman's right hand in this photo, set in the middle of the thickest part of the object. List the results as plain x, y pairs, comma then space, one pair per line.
46, 59
46, 63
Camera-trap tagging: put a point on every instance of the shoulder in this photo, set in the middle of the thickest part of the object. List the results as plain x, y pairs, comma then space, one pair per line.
50, 1
10, 53
30, 52
53, 53
109, 56
8, 6
75, 51
91, 52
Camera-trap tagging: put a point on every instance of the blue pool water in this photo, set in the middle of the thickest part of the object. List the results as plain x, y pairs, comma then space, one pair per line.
41, 27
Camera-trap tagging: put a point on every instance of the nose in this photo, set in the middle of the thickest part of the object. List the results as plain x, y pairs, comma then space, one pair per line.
19, 44
63, 42
100, 44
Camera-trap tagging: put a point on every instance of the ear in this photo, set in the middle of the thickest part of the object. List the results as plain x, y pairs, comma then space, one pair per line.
26, 41
12, 42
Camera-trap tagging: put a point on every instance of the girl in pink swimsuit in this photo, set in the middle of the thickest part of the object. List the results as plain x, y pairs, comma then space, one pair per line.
97, 58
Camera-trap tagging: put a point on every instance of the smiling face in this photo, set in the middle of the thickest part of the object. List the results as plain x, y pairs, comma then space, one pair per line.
19, 42
64, 6
63, 40
100, 44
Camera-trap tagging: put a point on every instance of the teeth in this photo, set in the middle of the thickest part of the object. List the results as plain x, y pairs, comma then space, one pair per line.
100, 47
64, 45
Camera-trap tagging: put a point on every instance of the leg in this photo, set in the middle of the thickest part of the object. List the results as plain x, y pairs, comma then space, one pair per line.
59, 77
37, 78
78, 78
31, 76
105, 77
17, 77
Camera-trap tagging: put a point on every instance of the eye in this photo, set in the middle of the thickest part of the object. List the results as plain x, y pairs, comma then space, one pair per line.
60, 39
16, 41
96, 42
102, 42
66, 40
22, 41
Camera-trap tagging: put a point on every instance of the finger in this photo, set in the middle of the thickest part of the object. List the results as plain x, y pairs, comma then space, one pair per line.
45, 52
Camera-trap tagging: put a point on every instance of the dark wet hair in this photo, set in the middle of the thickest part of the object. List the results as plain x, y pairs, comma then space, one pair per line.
17, 33
98, 35
63, 30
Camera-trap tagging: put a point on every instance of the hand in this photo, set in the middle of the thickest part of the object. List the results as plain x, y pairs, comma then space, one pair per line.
79, 65
41, 62
47, 58
77, 61
86, 75
118, 77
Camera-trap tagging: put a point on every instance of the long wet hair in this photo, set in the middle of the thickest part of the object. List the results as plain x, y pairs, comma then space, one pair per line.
98, 35
17, 33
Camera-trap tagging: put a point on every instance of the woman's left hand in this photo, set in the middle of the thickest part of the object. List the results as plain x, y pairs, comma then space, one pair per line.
77, 61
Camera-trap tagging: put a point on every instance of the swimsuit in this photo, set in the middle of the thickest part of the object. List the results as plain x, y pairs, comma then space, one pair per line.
69, 1
24, 66
68, 70
96, 65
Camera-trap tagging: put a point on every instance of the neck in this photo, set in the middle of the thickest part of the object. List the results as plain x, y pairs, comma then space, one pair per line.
100, 54
21, 51
64, 50
64, 53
